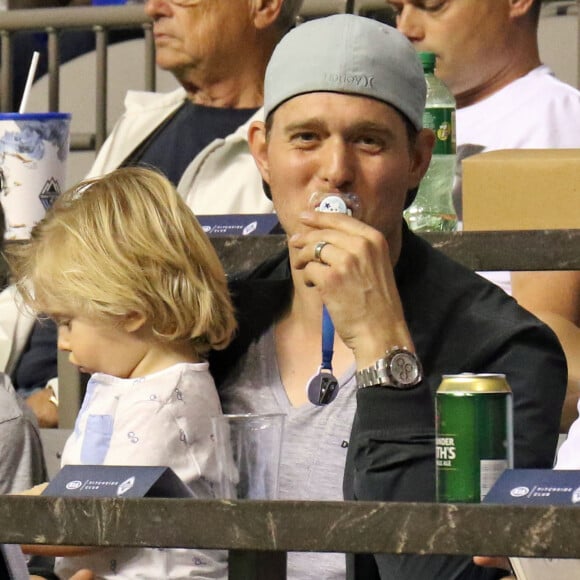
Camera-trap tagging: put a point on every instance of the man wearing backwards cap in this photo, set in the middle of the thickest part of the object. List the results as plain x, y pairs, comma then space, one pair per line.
344, 99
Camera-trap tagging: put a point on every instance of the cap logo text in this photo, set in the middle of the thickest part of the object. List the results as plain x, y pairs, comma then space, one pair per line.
354, 80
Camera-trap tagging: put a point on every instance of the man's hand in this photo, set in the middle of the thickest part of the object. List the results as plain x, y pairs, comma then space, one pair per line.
36, 490
494, 562
83, 575
45, 410
353, 274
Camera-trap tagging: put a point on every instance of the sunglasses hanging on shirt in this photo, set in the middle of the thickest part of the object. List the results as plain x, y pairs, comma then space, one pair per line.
323, 387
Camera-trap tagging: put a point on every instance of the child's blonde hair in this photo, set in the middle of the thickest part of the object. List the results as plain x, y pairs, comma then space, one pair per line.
127, 243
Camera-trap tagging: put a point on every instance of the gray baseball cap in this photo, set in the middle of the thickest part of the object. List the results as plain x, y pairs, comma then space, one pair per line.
349, 54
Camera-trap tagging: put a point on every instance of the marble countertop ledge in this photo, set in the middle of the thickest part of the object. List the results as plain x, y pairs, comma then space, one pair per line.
280, 526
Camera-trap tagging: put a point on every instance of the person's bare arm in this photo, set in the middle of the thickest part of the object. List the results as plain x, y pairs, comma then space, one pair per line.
80, 575
554, 297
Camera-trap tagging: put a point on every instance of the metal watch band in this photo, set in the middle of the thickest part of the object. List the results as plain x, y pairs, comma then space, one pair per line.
373, 375
381, 373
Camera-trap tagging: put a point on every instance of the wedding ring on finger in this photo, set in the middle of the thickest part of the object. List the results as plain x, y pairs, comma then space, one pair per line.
318, 250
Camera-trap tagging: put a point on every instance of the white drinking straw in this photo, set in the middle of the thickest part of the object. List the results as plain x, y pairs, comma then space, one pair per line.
29, 80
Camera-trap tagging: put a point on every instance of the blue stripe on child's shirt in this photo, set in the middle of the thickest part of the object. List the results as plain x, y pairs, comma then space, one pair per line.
97, 439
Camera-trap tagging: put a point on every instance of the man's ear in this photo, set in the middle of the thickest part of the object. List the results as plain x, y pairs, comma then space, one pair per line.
519, 8
265, 12
421, 157
259, 148
133, 322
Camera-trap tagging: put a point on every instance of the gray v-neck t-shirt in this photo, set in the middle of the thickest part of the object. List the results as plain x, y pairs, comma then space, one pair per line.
314, 445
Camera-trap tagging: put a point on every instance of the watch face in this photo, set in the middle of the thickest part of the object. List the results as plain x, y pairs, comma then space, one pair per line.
404, 369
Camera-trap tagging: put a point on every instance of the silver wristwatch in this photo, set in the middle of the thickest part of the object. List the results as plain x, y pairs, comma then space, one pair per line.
400, 369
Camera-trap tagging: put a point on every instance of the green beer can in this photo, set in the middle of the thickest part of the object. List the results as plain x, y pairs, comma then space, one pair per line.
474, 435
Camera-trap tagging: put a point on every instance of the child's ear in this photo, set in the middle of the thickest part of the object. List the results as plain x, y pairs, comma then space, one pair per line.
134, 321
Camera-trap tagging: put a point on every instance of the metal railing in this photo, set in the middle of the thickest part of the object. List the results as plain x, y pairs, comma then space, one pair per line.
54, 21
102, 19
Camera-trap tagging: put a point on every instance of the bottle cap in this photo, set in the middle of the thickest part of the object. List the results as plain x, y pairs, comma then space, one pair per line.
428, 61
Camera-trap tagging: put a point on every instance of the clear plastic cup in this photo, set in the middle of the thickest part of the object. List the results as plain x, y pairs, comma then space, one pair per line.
248, 451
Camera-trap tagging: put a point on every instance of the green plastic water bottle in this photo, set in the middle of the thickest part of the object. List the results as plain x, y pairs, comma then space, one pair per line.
432, 210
